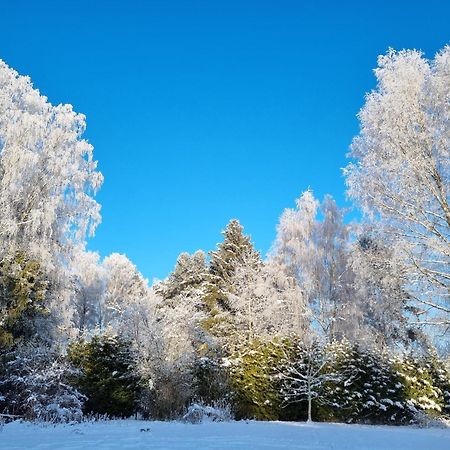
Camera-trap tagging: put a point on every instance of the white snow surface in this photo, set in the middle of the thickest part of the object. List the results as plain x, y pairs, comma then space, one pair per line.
127, 434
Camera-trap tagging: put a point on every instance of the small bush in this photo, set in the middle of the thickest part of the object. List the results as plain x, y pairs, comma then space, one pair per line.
197, 413
36, 386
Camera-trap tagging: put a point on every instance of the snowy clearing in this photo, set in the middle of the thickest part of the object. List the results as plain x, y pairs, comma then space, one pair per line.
123, 434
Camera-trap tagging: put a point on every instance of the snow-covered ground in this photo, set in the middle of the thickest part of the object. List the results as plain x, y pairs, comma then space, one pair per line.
122, 434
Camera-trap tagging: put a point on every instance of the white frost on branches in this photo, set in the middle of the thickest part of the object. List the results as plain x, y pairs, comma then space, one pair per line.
401, 169
47, 173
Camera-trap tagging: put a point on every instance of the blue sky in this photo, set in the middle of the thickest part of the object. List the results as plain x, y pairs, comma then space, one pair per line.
202, 111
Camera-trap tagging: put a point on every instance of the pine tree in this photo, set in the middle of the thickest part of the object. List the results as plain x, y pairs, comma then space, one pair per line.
420, 393
235, 251
186, 281
440, 374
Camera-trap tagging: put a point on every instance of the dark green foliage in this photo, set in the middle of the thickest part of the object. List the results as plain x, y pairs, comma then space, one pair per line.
212, 382
376, 389
369, 389
108, 379
254, 389
22, 296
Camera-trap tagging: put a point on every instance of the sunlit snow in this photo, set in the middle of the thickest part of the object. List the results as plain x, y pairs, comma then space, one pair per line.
114, 435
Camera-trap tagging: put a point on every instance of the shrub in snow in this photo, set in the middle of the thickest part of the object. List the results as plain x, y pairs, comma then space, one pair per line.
166, 394
197, 413
424, 420
36, 385
107, 375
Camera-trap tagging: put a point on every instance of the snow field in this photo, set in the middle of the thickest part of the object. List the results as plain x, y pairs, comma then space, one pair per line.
123, 434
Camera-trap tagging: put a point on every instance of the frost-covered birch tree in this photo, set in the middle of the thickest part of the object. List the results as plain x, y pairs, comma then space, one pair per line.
48, 179
168, 350
267, 302
89, 279
125, 298
379, 292
400, 173
47, 173
315, 253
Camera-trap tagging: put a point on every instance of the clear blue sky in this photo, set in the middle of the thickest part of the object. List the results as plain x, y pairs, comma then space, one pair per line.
201, 111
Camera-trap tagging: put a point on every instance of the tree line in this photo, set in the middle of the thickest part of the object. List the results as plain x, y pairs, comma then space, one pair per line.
340, 321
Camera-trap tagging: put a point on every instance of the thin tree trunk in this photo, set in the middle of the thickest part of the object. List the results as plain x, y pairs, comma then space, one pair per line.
309, 401
309, 408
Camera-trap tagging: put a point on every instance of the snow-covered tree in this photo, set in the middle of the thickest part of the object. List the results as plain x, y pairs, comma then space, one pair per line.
400, 175
168, 352
315, 253
440, 374
305, 372
36, 384
126, 291
382, 301
267, 302
187, 279
89, 278
420, 393
47, 181
254, 389
47, 173
236, 251
368, 390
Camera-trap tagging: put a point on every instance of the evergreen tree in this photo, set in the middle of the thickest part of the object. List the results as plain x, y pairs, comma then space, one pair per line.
108, 374
369, 390
440, 374
420, 393
235, 251
22, 299
254, 388
186, 281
